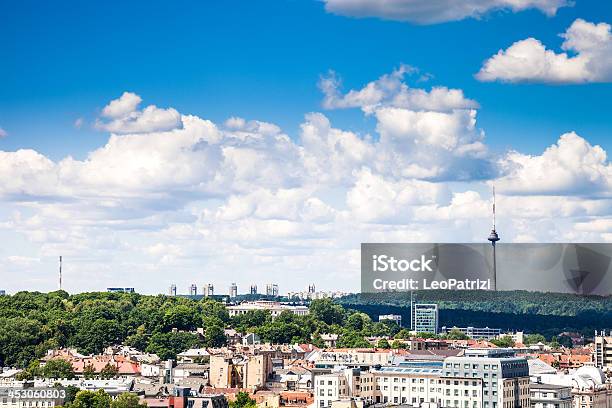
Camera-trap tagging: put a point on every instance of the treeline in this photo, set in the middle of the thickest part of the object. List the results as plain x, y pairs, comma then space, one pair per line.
32, 323
532, 312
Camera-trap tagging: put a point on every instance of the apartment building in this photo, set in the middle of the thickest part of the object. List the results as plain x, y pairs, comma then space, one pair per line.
275, 308
603, 352
240, 371
352, 358
550, 396
329, 388
407, 385
589, 385
505, 378
349, 383
476, 333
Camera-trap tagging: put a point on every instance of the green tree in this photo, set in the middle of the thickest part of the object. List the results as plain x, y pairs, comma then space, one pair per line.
168, 345
426, 335
397, 344
214, 333
534, 339
456, 334
91, 399
351, 338
57, 368
109, 371
127, 400
89, 371
71, 392
181, 317
327, 311
383, 343
402, 334
358, 321
503, 342
243, 400
317, 341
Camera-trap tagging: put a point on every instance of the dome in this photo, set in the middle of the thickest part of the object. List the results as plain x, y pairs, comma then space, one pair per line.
592, 373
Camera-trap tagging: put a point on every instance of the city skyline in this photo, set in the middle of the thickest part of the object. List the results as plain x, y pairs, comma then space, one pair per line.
157, 145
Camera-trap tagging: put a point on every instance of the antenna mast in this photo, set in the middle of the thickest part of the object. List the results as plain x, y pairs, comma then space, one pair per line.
60, 272
493, 238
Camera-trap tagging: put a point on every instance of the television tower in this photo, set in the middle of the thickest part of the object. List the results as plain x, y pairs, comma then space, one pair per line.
60, 272
494, 237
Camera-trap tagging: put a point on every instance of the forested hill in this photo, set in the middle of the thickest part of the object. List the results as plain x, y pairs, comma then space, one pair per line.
518, 302
546, 313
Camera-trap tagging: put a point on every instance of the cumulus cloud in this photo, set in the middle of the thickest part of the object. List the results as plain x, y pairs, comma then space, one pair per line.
588, 58
572, 166
391, 90
436, 11
242, 196
121, 116
423, 134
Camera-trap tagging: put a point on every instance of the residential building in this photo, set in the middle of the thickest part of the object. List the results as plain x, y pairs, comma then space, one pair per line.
275, 308
233, 290
240, 371
425, 318
172, 291
253, 290
193, 290
272, 289
589, 385
329, 339
476, 333
603, 351
351, 358
393, 317
121, 290
505, 377
208, 290
550, 396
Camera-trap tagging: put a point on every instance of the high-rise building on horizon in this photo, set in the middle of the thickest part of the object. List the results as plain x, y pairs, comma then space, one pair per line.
121, 290
271, 289
424, 318
253, 290
208, 290
193, 289
233, 290
172, 290
311, 288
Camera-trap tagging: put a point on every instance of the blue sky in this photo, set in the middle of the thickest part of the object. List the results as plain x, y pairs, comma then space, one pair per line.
136, 188
262, 60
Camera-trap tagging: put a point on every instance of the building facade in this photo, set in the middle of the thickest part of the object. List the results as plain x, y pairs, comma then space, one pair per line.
425, 318
603, 352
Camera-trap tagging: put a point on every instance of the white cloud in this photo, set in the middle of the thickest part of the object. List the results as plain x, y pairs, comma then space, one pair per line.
374, 199
244, 201
423, 134
436, 11
588, 58
331, 155
122, 116
123, 106
3, 133
391, 90
570, 167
